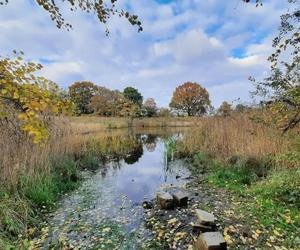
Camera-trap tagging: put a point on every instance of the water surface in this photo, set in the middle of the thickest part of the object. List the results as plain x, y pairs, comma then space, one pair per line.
106, 211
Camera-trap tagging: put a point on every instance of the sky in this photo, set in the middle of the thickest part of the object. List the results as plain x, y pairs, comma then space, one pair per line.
217, 44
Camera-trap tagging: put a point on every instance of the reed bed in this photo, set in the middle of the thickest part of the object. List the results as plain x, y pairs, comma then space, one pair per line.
238, 135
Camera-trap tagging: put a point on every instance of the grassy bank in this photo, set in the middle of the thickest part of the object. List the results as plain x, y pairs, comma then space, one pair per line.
259, 169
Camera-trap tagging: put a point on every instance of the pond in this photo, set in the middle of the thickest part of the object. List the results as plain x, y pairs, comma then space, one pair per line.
106, 212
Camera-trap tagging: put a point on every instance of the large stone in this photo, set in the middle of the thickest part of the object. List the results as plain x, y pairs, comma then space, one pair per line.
211, 241
180, 198
205, 218
165, 200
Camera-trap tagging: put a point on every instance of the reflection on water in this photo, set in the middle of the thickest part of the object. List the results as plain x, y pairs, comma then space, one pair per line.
116, 191
143, 171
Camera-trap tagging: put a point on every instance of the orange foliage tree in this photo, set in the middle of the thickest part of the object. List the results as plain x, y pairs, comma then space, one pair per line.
190, 98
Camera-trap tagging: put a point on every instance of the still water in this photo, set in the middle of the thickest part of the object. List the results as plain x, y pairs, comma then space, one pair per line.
106, 212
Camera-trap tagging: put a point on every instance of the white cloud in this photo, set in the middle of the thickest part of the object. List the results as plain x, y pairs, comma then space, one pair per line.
57, 71
216, 43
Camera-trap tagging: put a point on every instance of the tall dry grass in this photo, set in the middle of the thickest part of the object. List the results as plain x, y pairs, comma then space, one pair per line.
236, 135
20, 157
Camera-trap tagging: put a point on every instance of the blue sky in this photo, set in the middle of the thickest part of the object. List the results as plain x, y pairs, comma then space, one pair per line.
218, 44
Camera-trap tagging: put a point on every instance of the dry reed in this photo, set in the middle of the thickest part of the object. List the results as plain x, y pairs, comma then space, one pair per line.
236, 135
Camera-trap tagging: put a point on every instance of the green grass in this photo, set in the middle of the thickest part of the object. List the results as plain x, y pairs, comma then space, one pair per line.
45, 189
16, 214
233, 179
281, 186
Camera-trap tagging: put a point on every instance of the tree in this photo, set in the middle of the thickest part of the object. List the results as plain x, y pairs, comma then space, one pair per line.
190, 98
150, 107
102, 9
225, 109
106, 102
282, 87
129, 109
27, 101
133, 95
81, 94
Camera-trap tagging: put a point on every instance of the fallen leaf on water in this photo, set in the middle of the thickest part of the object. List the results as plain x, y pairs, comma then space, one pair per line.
106, 229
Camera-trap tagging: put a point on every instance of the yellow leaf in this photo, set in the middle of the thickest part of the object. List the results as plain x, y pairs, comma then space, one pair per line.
16, 95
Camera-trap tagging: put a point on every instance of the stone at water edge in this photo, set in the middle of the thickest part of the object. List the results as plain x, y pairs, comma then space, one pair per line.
197, 227
180, 198
205, 218
211, 241
165, 200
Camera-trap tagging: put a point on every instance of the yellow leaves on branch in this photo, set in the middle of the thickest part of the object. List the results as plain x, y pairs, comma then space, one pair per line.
32, 97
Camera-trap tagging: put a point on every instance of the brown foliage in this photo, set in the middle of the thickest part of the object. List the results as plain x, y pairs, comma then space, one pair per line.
190, 98
106, 102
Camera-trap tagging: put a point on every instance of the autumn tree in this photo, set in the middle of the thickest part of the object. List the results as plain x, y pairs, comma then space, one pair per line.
150, 107
27, 101
102, 9
133, 95
81, 94
128, 109
190, 98
282, 88
224, 109
107, 102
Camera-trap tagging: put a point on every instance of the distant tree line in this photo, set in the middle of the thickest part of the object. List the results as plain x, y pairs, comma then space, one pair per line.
189, 99
92, 99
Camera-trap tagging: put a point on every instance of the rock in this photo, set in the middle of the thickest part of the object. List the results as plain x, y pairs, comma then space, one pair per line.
180, 198
165, 200
147, 205
211, 241
205, 218
197, 227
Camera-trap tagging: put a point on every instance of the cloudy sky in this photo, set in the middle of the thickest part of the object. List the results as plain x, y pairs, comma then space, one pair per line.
218, 44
